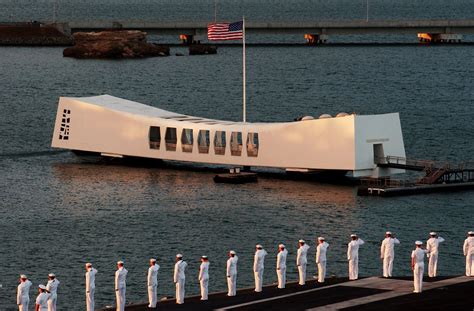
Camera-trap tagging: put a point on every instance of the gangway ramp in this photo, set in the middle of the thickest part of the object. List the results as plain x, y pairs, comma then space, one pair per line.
406, 164
438, 176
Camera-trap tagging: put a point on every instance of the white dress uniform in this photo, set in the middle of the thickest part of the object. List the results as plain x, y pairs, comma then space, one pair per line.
52, 288
232, 275
469, 253
419, 256
353, 258
204, 279
42, 301
432, 247
23, 295
258, 268
387, 253
90, 288
180, 280
301, 262
152, 283
321, 251
120, 287
281, 268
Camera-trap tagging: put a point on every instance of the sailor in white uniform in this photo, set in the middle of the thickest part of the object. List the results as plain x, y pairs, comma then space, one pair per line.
42, 299
281, 265
52, 289
180, 278
418, 266
353, 256
432, 247
120, 285
232, 273
204, 277
387, 253
302, 261
23, 293
321, 251
258, 266
152, 282
468, 249
90, 286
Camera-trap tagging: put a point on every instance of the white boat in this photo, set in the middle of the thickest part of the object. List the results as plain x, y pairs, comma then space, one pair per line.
115, 127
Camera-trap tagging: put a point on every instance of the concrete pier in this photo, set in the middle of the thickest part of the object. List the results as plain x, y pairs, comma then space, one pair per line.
313, 32
329, 28
35, 34
189, 32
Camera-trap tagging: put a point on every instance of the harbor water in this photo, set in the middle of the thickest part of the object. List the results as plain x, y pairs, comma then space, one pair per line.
59, 212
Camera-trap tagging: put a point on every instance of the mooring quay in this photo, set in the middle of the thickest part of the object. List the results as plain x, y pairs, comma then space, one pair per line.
438, 177
322, 27
312, 31
372, 293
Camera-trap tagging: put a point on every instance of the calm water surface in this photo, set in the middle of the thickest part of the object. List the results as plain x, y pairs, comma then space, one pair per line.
58, 212
269, 10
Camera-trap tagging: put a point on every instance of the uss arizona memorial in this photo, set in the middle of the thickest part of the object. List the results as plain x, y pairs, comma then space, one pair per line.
116, 127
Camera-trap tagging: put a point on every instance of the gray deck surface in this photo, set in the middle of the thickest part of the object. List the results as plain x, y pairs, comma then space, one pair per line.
373, 293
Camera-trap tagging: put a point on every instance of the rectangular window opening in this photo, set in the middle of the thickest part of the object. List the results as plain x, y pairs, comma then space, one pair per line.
236, 144
252, 144
203, 141
154, 136
187, 140
219, 142
170, 139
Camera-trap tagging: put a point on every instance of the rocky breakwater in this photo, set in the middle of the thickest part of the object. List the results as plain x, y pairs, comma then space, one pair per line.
114, 44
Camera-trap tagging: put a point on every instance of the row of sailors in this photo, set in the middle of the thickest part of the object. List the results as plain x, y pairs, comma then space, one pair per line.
46, 300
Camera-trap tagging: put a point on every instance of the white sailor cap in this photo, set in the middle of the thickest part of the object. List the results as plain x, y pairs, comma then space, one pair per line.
152, 260
258, 246
232, 252
418, 243
301, 241
52, 275
120, 262
281, 246
179, 256
388, 233
88, 264
432, 233
353, 235
42, 286
321, 238
470, 232
204, 257
23, 276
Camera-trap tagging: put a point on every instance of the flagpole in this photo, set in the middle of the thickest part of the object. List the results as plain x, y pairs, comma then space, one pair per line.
244, 89
215, 11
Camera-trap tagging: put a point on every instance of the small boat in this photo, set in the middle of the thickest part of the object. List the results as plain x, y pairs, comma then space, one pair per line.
236, 178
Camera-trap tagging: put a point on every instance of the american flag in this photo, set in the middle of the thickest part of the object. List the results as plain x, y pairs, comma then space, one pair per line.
225, 31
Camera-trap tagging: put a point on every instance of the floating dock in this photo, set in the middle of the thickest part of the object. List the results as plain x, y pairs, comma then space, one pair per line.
236, 178
438, 177
416, 189
371, 293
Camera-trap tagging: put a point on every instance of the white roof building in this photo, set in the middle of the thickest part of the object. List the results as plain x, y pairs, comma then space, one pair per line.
113, 126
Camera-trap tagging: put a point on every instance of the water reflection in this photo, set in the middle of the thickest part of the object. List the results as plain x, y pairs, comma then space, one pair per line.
187, 212
118, 182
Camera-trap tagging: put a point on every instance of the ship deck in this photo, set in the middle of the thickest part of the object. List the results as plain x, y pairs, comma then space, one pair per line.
371, 293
